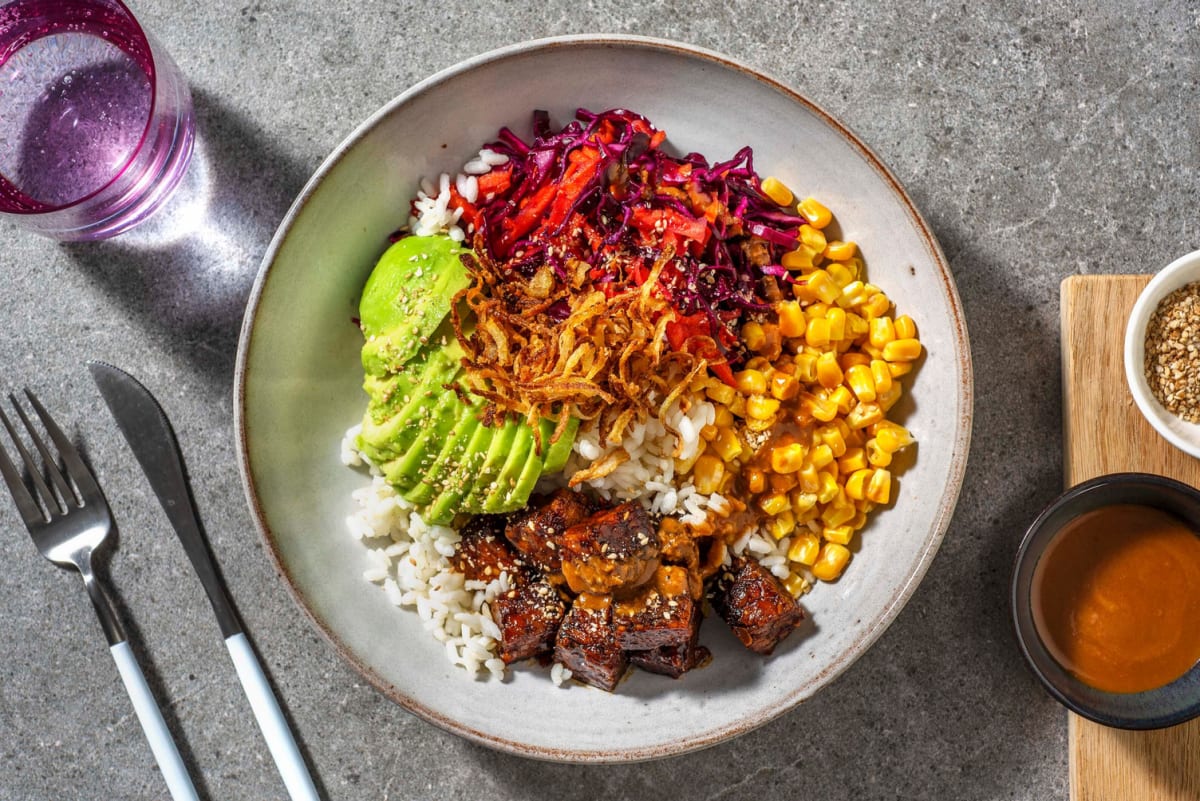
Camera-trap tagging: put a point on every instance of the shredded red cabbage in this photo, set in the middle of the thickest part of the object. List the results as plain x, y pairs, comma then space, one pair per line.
602, 189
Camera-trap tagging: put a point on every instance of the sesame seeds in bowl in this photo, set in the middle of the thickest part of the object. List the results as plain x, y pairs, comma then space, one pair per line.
1162, 353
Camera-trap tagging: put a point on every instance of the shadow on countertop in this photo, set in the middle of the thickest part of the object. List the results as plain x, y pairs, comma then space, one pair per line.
186, 273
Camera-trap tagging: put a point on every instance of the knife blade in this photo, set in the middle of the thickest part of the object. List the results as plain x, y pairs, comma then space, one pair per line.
145, 427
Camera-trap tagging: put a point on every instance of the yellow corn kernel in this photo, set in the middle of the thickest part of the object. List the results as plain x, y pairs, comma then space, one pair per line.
835, 513
898, 369
853, 459
760, 363
795, 584
724, 417
864, 414
878, 305
881, 375
720, 392
815, 310
753, 336
810, 478
782, 524
836, 250
862, 382
829, 487
791, 318
806, 367
783, 386
774, 503
881, 332
853, 357
860, 517
756, 480
815, 212
804, 548
802, 502
893, 437
708, 473
760, 407
856, 483
812, 238
817, 333
905, 327
832, 438
788, 458
774, 189
782, 482
856, 326
708, 433
809, 515
886, 400
820, 456
837, 323
853, 295
750, 382
829, 374
823, 286
803, 258
876, 455
818, 408
726, 444
855, 438
879, 487
839, 534
831, 562
902, 350
841, 274
842, 398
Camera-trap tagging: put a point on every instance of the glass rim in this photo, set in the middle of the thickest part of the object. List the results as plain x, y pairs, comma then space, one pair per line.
139, 35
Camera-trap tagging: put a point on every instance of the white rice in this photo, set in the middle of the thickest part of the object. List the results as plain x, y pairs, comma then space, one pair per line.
409, 559
432, 212
656, 458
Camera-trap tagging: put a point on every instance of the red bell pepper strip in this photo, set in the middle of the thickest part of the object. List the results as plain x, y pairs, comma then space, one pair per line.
526, 219
495, 182
692, 330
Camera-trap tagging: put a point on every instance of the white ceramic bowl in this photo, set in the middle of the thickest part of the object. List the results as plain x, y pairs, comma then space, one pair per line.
298, 389
1177, 431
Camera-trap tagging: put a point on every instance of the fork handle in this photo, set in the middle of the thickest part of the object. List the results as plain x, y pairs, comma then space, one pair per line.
165, 752
270, 719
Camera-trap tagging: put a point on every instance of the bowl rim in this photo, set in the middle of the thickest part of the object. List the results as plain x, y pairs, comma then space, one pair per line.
1105, 708
1134, 352
903, 591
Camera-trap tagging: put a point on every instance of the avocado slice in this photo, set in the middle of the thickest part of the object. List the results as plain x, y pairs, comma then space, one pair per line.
433, 479
558, 452
461, 477
500, 447
496, 493
386, 436
408, 296
531, 471
434, 424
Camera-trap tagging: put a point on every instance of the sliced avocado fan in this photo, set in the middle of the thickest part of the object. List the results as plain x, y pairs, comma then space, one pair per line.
421, 429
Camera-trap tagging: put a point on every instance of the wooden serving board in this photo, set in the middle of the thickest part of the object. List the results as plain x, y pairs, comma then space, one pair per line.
1103, 432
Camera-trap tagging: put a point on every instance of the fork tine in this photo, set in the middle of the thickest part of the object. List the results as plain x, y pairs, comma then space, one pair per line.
79, 472
31, 513
56, 476
75, 464
52, 504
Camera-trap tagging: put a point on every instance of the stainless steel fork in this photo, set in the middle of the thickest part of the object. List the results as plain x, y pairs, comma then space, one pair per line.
69, 524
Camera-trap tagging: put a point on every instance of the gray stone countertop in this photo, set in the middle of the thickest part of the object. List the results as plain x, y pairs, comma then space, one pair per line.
1039, 140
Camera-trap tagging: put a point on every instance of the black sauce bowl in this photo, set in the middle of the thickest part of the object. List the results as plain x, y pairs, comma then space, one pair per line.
1169, 705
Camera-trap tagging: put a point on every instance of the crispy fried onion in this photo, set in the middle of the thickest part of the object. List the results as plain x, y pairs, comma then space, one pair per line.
547, 348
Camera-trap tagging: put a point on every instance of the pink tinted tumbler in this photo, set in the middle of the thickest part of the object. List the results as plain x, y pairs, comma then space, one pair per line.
96, 123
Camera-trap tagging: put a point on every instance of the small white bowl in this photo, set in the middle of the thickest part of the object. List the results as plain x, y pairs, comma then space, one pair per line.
1177, 431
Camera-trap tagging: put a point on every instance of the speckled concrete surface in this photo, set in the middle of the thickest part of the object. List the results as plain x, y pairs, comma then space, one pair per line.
1039, 140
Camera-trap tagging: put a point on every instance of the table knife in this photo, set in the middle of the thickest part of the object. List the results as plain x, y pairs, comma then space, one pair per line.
149, 434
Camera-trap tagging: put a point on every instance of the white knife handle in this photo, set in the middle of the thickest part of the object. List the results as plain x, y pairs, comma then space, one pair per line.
270, 719
161, 744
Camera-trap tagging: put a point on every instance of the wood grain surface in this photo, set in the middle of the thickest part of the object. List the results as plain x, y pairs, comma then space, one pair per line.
1103, 432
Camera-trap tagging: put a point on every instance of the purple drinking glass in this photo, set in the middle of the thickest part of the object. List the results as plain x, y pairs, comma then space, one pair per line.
96, 122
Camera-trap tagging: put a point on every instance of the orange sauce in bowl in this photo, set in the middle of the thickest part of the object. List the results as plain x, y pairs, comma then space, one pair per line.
1116, 598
